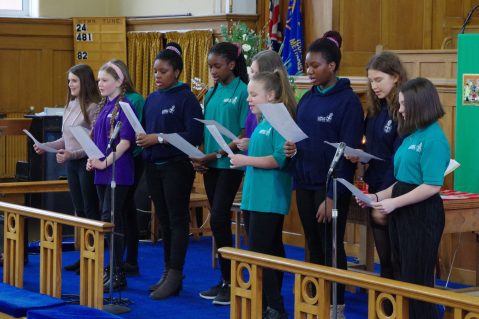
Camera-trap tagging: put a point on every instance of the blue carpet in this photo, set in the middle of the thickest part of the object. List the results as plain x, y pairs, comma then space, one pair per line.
199, 276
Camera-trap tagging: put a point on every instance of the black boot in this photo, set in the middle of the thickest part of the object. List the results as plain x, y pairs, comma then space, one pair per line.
159, 282
119, 281
73, 267
170, 287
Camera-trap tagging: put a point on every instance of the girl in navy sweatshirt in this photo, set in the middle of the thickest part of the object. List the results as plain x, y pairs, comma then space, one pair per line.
331, 112
169, 173
385, 74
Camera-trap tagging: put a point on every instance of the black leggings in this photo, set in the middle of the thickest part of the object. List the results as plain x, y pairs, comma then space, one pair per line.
82, 189
104, 194
319, 235
265, 235
415, 232
221, 186
131, 230
170, 186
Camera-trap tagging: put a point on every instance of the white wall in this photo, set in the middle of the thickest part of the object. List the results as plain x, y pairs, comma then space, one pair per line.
75, 8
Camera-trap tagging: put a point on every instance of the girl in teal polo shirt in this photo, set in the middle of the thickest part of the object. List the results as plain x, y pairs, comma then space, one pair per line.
267, 186
225, 103
417, 212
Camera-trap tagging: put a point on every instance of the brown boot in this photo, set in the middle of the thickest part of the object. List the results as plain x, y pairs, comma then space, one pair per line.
170, 287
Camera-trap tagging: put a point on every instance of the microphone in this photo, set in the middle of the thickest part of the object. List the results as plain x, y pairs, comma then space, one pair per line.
337, 156
115, 133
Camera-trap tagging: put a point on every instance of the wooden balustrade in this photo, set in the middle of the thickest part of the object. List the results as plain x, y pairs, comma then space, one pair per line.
246, 295
92, 235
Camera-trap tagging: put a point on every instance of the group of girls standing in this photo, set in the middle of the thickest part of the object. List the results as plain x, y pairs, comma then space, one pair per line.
411, 144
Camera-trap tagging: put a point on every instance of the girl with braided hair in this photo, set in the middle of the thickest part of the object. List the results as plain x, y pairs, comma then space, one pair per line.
111, 84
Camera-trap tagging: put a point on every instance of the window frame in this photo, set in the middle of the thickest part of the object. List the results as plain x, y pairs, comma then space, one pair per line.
25, 12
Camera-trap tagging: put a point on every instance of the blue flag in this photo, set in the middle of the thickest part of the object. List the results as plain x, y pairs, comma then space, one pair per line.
292, 53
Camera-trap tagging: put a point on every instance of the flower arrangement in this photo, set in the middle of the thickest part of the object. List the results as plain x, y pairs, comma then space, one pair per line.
251, 42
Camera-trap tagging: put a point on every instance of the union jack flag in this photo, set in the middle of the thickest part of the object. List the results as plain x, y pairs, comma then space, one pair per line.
274, 26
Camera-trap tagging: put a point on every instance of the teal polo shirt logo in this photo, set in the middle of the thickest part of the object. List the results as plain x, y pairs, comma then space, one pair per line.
265, 132
233, 100
417, 148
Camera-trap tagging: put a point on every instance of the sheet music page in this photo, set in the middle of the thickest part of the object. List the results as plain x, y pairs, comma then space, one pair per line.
82, 136
183, 145
219, 139
356, 192
280, 119
453, 165
131, 116
349, 151
223, 130
40, 145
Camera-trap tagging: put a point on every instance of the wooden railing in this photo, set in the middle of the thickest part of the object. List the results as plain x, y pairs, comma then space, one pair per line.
246, 295
92, 235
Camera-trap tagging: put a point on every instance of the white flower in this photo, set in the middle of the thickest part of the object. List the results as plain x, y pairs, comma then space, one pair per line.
244, 37
246, 47
245, 57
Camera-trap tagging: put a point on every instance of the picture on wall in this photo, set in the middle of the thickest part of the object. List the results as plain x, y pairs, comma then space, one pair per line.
470, 94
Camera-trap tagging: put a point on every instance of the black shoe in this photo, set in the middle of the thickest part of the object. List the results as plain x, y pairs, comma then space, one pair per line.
275, 314
224, 295
73, 267
131, 270
106, 274
212, 292
119, 282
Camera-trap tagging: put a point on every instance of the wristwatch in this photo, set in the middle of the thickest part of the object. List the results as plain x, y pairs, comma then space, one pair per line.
218, 154
160, 139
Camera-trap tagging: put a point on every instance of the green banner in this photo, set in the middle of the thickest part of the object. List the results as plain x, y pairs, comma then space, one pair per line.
466, 177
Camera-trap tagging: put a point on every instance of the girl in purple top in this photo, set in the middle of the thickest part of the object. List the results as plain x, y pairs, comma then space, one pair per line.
264, 61
112, 89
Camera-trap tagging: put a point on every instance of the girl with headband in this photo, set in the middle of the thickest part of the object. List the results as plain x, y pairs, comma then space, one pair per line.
111, 84
227, 104
169, 173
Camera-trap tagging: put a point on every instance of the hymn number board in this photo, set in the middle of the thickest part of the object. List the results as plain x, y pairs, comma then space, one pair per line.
99, 39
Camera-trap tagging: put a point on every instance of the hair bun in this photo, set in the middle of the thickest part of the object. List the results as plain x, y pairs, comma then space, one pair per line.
335, 37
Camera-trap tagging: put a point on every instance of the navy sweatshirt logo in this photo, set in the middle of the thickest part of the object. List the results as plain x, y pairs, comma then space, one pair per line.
326, 119
388, 127
169, 110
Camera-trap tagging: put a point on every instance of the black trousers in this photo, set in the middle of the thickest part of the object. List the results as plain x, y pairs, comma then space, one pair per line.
170, 186
415, 232
221, 187
265, 235
131, 230
319, 237
82, 189
121, 192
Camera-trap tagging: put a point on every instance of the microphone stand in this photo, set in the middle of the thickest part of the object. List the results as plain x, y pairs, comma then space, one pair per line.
334, 217
112, 307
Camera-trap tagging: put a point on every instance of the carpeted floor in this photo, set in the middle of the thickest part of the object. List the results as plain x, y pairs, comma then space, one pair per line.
199, 276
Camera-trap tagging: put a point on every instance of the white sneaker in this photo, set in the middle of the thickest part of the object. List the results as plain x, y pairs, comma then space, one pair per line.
339, 312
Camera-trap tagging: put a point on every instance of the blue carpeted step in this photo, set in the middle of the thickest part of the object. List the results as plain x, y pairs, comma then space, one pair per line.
70, 312
16, 302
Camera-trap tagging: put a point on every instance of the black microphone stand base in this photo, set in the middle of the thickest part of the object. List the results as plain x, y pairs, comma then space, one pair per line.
115, 309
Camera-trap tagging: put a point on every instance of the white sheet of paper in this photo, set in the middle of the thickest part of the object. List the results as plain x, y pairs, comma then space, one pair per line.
82, 136
219, 139
349, 151
223, 130
40, 145
183, 145
131, 116
280, 119
453, 164
356, 192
